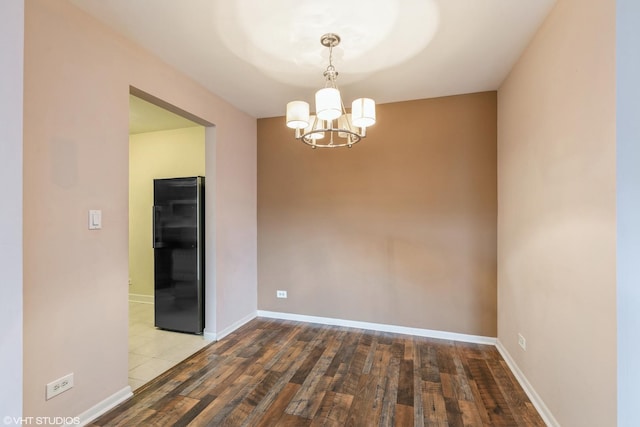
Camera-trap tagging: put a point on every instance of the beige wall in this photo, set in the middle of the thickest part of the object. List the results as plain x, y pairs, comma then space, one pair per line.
556, 213
11, 70
77, 78
165, 154
400, 229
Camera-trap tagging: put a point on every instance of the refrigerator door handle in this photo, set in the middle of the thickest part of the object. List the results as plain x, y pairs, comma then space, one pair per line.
153, 226
198, 244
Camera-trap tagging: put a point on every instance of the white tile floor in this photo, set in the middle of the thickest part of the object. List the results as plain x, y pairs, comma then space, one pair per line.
152, 351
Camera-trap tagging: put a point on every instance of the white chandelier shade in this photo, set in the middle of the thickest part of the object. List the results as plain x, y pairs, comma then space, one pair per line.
364, 112
331, 118
315, 128
297, 114
328, 103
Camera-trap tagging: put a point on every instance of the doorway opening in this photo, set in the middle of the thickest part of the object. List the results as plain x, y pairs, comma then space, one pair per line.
162, 144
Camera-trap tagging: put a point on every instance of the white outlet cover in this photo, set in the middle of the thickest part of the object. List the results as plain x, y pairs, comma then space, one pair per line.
58, 386
522, 342
281, 294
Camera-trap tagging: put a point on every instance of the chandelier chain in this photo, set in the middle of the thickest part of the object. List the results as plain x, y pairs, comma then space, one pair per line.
330, 73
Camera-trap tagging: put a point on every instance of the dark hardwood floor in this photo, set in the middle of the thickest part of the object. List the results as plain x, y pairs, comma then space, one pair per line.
283, 373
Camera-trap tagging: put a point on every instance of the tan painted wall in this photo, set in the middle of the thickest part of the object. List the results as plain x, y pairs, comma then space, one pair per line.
76, 148
165, 154
556, 213
400, 229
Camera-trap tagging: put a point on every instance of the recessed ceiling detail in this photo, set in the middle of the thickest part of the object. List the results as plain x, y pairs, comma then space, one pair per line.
280, 37
258, 55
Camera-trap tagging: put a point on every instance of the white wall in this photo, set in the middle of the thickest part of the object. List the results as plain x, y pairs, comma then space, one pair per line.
11, 84
628, 209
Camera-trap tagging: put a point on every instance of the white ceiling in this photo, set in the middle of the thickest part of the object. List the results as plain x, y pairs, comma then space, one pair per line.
259, 55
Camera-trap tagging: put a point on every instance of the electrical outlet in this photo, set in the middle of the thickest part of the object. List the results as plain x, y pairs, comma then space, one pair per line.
281, 294
522, 342
60, 385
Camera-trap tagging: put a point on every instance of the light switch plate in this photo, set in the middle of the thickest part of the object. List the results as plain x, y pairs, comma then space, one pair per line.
95, 220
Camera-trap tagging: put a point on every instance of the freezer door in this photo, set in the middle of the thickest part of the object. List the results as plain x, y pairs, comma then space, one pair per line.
175, 213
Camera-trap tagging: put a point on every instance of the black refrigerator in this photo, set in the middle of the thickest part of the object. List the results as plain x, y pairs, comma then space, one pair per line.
178, 242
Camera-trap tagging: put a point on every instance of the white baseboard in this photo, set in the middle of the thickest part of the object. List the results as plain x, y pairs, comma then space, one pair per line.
103, 407
145, 299
209, 336
226, 331
430, 333
535, 398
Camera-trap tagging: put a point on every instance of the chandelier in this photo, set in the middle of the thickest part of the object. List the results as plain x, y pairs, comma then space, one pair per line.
331, 126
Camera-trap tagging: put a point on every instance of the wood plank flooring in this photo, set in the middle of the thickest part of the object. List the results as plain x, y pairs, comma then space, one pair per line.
284, 373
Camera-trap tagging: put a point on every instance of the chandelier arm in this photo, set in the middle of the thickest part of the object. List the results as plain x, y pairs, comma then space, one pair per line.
347, 122
308, 139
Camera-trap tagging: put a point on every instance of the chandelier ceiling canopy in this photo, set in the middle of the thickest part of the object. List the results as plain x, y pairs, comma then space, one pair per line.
331, 126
